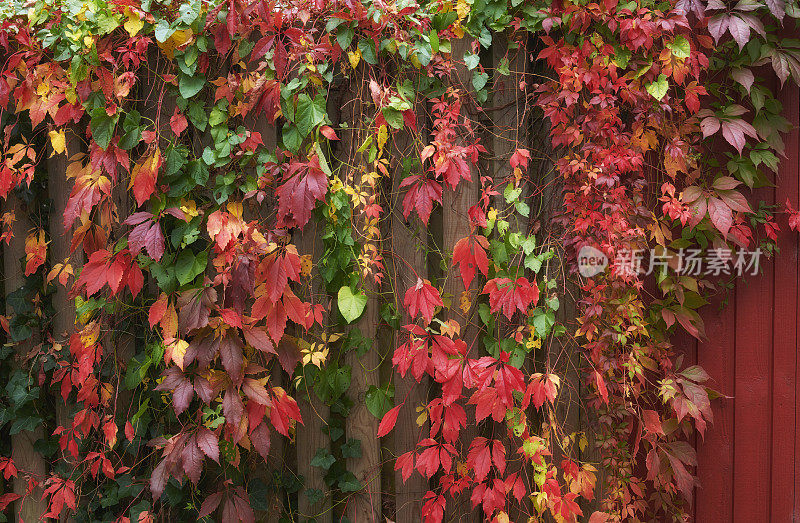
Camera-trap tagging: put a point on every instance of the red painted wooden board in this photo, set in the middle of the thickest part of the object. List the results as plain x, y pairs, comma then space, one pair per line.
748, 462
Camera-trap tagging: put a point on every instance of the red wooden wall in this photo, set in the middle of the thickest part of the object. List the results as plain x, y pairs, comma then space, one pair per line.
749, 462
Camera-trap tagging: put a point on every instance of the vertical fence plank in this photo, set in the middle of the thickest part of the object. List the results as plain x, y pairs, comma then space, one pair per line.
785, 320
455, 225
363, 506
311, 434
716, 451
409, 249
59, 190
753, 405
22, 451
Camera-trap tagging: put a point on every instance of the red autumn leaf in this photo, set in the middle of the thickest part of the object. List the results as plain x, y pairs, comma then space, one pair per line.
146, 235
520, 158
144, 176
487, 403
601, 385
405, 463
208, 442
328, 132
232, 407
511, 296
541, 388
652, 422
258, 339
470, 254
284, 410
110, 432
734, 132
209, 505
35, 251
129, 432
261, 440
428, 461
433, 509
7, 499
421, 196
794, 216
389, 419
422, 298
192, 459
230, 352
720, 215
255, 391
231, 317
278, 270
479, 459
178, 123
157, 310
306, 183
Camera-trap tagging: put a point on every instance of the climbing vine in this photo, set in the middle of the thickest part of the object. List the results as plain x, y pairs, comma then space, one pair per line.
207, 144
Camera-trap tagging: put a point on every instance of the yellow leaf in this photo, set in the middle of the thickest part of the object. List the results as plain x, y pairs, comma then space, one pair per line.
58, 141
383, 135
176, 351
133, 24
422, 418
354, 57
466, 301
502, 518
305, 265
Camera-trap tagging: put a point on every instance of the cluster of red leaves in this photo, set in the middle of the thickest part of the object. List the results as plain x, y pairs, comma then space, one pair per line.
449, 161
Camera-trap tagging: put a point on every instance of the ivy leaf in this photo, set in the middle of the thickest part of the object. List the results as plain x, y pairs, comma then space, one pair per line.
103, 126
323, 459
471, 61
378, 401
191, 85
351, 305
680, 47
188, 266
310, 113
658, 89
393, 117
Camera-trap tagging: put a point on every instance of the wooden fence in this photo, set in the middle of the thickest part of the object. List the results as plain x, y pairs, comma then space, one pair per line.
747, 461
747, 464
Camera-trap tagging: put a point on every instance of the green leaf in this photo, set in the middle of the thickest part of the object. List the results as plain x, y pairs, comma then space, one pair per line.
349, 483
103, 126
479, 80
658, 89
323, 459
314, 495
680, 47
191, 85
163, 31
352, 449
188, 266
351, 305
379, 401
197, 115
310, 113
189, 12
368, 51
291, 138
393, 117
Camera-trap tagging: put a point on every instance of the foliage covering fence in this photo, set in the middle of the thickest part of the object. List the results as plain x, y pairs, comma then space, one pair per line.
316, 261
